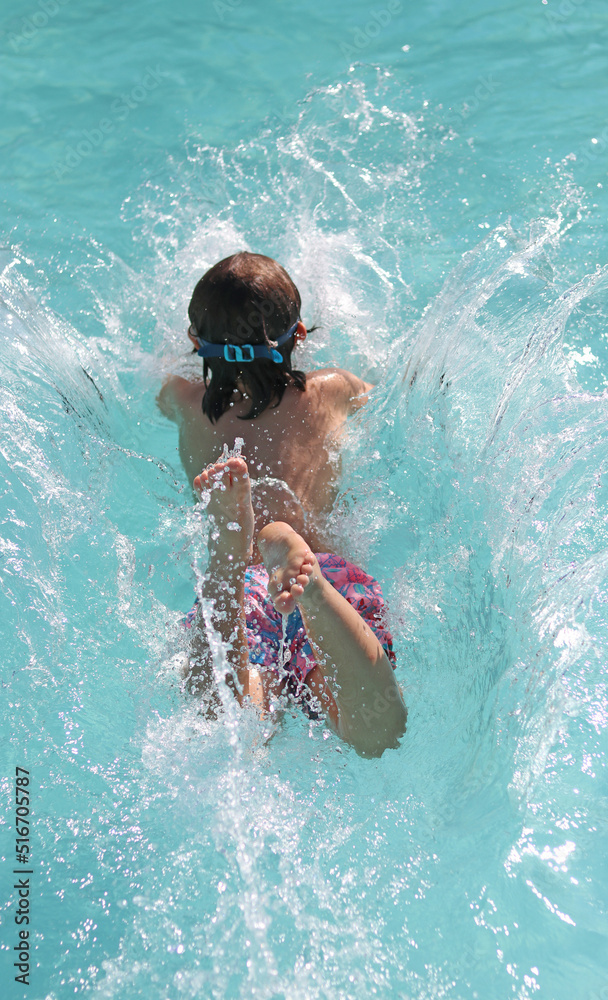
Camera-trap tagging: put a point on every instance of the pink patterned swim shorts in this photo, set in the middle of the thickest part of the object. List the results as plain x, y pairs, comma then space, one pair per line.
265, 626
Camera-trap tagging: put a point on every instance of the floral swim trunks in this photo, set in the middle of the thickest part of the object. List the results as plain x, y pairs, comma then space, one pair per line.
265, 624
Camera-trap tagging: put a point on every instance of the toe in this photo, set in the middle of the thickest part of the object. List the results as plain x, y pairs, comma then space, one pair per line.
201, 482
284, 603
236, 464
219, 476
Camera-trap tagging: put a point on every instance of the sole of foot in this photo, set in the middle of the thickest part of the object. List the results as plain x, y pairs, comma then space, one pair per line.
293, 570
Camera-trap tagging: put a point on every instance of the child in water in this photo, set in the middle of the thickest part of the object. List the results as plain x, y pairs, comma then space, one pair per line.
245, 323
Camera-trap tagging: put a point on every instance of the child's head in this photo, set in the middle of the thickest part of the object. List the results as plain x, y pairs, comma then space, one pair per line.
247, 299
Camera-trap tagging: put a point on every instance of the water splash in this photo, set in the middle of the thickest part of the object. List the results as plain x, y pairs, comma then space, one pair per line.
473, 489
232, 452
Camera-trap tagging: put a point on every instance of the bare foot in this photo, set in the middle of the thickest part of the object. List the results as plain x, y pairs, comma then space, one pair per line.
293, 570
228, 489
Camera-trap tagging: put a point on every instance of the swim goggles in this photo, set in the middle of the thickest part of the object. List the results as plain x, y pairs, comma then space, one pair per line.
241, 352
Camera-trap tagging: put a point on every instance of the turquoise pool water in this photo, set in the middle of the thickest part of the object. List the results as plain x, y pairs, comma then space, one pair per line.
434, 176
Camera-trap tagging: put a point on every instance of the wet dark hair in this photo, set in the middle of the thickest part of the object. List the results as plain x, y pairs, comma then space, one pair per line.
246, 299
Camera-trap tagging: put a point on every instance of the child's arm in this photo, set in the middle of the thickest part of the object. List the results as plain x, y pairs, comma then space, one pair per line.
352, 391
173, 396
164, 400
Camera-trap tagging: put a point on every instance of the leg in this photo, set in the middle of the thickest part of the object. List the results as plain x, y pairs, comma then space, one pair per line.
353, 677
229, 504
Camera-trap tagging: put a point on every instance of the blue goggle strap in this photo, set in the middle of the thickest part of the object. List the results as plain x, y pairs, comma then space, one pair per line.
243, 352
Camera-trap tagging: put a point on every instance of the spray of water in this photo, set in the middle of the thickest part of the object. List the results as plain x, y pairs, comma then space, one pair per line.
193, 856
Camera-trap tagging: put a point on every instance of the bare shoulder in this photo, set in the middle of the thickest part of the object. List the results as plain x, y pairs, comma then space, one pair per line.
342, 387
177, 394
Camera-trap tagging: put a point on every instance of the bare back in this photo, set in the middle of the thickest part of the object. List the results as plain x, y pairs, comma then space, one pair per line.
296, 441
